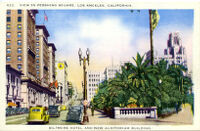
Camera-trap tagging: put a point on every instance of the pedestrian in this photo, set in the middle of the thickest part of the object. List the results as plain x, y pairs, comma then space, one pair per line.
176, 108
92, 109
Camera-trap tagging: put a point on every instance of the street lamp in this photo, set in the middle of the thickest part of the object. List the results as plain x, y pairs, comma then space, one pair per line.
84, 59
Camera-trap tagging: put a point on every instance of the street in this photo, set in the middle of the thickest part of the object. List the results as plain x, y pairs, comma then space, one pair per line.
21, 119
183, 117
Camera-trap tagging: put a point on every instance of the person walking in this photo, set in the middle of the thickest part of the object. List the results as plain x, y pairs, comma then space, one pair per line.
176, 106
92, 109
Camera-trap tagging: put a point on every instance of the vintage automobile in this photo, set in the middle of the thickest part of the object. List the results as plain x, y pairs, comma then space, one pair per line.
75, 113
38, 114
63, 107
54, 111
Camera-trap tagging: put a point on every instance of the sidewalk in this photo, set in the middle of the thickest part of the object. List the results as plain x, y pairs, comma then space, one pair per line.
183, 117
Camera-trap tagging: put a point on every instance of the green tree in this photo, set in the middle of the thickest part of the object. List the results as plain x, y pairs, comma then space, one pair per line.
160, 85
142, 76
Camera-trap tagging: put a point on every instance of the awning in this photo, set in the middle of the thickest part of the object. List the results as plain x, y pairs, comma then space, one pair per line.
11, 104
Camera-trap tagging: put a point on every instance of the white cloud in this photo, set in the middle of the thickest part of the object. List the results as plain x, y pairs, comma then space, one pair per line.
105, 38
109, 39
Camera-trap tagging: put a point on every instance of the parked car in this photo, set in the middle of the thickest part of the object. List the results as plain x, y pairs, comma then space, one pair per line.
75, 113
54, 111
38, 115
63, 107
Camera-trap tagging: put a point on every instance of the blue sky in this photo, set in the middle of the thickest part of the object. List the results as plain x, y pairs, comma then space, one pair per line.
112, 34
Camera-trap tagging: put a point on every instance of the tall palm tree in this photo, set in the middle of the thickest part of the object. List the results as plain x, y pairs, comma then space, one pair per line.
153, 22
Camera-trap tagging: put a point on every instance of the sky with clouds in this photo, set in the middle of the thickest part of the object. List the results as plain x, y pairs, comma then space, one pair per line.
112, 35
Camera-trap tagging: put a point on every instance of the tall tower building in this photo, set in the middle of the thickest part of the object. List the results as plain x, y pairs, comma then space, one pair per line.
42, 55
175, 52
23, 54
20, 41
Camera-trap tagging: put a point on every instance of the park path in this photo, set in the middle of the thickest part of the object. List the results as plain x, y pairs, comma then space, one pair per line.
183, 117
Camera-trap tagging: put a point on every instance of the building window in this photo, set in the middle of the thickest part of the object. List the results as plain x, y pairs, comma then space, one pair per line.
8, 19
19, 58
37, 66
8, 58
19, 19
8, 50
37, 56
8, 34
19, 11
19, 42
38, 72
19, 66
8, 26
19, 34
19, 27
37, 44
37, 50
8, 42
37, 61
19, 50
37, 38
8, 12
37, 32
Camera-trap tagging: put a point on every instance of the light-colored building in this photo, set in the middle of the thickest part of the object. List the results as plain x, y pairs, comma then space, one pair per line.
61, 77
110, 71
21, 54
175, 53
13, 84
93, 80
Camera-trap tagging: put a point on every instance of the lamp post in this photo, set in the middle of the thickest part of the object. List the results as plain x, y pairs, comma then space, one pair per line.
84, 59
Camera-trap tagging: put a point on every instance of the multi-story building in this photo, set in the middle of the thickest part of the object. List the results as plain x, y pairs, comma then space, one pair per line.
175, 52
21, 54
110, 71
93, 80
42, 55
52, 73
13, 84
61, 77
20, 41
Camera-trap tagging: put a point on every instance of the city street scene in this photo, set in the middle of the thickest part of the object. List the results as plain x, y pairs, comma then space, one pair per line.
99, 67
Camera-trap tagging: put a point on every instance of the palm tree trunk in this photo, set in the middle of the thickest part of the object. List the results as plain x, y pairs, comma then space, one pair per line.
151, 39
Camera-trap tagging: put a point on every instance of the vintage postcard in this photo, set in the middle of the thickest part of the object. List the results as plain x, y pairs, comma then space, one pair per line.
100, 65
